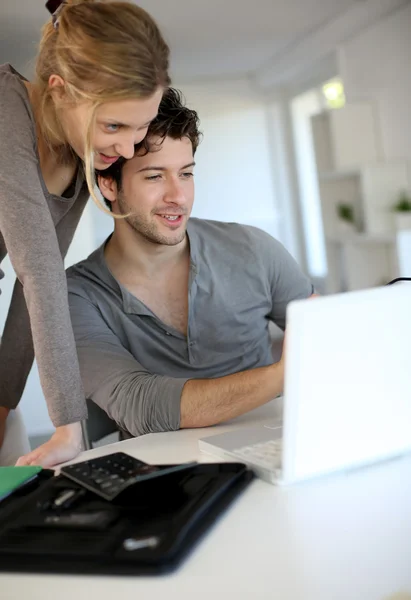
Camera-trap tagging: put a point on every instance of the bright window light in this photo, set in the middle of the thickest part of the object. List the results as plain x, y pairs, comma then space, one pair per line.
333, 92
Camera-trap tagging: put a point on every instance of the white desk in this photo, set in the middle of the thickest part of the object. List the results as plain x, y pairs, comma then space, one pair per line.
346, 537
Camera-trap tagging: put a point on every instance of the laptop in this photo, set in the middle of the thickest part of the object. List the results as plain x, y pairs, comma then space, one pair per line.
347, 391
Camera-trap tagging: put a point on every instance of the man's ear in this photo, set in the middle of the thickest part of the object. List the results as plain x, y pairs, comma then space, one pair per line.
108, 187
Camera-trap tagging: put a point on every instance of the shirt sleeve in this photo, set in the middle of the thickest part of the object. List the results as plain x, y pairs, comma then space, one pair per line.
31, 241
285, 278
138, 401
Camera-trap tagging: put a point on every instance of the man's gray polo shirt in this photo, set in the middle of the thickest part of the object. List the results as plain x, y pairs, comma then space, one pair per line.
134, 366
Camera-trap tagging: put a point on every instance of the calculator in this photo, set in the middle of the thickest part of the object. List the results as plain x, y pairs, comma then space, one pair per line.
108, 476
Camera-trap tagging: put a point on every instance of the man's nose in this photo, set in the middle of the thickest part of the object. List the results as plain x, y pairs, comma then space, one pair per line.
175, 193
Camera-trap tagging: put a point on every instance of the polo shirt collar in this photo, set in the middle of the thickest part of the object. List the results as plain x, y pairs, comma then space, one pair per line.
131, 304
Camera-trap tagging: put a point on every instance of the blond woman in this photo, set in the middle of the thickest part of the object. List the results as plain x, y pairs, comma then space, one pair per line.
100, 74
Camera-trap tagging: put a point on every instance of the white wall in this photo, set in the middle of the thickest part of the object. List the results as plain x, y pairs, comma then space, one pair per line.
302, 108
375, 65
234, 175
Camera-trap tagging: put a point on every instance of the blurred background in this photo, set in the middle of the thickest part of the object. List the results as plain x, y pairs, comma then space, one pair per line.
305, 106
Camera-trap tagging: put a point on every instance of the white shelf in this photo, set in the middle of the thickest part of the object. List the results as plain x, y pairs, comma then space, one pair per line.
351, 171
362, 238
338, 175
346, 138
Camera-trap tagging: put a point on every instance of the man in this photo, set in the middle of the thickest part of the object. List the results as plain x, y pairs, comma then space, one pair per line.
171, 314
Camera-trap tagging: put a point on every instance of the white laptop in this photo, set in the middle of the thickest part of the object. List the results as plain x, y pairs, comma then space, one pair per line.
347, 393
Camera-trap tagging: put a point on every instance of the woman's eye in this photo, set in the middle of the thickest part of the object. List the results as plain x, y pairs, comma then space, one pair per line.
111, 127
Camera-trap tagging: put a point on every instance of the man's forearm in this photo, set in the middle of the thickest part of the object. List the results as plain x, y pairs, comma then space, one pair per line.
207, 402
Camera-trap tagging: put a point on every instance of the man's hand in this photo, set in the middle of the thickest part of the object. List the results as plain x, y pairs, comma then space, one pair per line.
65, 444
4, 413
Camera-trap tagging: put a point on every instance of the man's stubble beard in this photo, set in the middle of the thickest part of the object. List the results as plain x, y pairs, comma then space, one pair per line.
148, 230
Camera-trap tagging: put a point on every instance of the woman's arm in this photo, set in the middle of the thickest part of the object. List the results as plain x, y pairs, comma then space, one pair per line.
66, 442
31, 241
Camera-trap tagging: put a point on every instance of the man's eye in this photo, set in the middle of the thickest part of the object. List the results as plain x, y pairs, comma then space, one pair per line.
187, 175
153, 177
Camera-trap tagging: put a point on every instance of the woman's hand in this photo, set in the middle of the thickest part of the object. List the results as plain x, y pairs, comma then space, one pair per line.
65, 444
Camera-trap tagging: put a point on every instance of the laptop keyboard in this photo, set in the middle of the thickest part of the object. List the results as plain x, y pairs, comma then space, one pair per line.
265, 454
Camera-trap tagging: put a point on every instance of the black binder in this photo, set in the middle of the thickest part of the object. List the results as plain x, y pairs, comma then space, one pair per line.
148, 530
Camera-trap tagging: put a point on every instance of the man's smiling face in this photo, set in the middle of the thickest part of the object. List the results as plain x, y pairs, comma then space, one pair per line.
157, 191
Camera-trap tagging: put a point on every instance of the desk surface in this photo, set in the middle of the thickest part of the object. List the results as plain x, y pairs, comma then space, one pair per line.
345, 537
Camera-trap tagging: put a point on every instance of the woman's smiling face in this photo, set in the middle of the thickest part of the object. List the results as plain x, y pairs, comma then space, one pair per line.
119, 125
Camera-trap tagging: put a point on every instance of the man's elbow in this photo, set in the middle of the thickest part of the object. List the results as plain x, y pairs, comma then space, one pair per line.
139, 408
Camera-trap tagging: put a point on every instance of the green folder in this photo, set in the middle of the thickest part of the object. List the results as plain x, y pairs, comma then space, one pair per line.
11, 478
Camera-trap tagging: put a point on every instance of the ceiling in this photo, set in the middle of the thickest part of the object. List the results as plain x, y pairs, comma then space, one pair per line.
230, 37
217, 38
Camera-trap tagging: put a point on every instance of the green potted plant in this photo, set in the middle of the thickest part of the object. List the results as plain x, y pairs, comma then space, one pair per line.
346, 218
402, 209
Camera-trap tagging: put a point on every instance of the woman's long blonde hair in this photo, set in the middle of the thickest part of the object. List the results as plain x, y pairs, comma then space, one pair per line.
104, 51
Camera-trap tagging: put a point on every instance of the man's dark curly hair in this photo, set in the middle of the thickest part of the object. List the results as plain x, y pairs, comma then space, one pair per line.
173, 120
